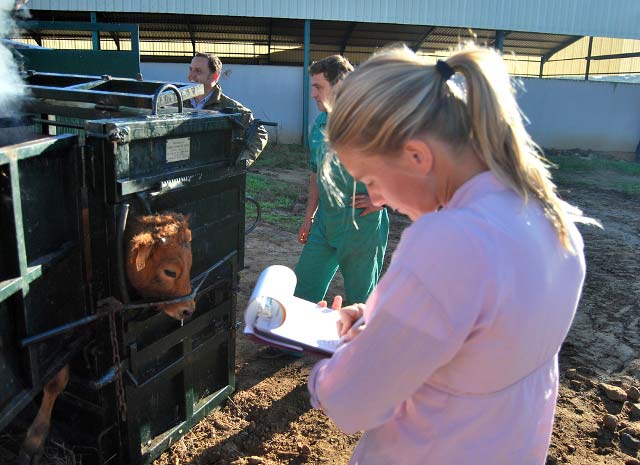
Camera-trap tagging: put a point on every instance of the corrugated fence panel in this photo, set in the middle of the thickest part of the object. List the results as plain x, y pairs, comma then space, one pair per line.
606, 18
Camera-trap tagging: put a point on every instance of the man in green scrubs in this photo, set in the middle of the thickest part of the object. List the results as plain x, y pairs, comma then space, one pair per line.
330, 238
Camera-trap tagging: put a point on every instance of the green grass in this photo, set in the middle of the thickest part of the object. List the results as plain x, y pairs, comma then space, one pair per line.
616, 175
585, 165
276, 199
283, 156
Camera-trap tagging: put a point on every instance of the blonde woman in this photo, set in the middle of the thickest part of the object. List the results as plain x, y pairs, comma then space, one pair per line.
457, 361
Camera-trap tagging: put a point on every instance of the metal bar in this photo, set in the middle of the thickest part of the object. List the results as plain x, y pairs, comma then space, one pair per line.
17, 212
305, 84
561, 46
116, 39
77, 26
135, 41
56, 123
269, 41
418, 43
132, 186
27, 341
90, 319
586, 72
192, 36
9, 287
35, 148
12, 286
95, 35
122, 215
499, 42
616, 55
347, 36
36, 37
187, 378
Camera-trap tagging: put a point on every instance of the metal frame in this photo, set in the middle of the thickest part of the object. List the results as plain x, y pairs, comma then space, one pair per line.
27, 273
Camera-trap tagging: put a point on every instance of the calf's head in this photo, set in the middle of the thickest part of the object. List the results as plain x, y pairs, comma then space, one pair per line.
159, 260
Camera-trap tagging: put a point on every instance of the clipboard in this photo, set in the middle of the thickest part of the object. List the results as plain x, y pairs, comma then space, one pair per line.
276, 317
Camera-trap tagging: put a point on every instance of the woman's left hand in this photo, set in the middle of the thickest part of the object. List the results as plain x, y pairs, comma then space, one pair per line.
348, 316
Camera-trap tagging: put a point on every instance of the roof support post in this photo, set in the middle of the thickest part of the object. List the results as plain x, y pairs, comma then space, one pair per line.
305, 84
586, 71
95, 35
499, 44
36, 37
116, 38
418, 43
347, 36
269, 43
192, 37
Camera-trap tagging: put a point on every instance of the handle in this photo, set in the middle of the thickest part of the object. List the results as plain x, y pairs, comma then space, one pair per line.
161, 89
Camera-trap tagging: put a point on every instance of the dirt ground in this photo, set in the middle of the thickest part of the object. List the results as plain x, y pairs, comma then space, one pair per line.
269, 420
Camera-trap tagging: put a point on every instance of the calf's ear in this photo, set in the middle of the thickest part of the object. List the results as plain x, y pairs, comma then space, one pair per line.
141, 254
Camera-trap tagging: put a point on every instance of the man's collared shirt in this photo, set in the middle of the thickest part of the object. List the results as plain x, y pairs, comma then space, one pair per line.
200, 105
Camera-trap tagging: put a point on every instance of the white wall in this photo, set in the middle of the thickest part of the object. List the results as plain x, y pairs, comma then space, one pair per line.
564, 114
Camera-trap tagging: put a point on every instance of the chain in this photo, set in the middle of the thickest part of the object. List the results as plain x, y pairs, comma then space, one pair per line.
116, 361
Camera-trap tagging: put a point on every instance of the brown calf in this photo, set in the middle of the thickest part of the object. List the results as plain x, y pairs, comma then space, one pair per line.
159, 260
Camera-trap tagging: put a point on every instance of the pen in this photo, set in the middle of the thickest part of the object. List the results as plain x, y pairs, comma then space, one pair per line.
359, 322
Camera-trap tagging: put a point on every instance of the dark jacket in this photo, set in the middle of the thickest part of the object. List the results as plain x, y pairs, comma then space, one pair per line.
217, 102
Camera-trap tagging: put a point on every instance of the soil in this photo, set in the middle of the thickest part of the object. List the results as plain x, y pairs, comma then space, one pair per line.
269, 420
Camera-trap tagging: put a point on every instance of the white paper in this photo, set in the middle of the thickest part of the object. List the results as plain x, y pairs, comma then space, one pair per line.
305, 326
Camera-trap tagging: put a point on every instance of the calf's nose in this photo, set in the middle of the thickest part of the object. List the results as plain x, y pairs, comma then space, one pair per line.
187, 312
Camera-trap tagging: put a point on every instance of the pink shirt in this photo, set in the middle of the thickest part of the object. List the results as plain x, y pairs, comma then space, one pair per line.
458, 360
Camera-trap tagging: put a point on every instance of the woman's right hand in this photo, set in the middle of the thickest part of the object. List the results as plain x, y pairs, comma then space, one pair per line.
348, 316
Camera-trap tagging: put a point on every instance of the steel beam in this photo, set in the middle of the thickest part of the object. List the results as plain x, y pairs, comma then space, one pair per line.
586, 71
555, 50
95, 34
347, 36
305, 84
422, 39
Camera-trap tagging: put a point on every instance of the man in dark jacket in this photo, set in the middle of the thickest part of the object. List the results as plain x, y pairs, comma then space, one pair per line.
205, 69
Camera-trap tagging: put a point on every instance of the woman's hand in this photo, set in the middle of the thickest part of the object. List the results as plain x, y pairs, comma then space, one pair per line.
364, 201
348, 316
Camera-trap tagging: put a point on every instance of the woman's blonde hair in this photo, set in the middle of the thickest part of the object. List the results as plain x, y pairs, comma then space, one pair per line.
395, 96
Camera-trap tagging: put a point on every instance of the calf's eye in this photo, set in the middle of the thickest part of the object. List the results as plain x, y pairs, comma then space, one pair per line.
171, 274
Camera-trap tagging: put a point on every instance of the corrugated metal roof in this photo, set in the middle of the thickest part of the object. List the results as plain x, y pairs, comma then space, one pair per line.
605, 18
357, 40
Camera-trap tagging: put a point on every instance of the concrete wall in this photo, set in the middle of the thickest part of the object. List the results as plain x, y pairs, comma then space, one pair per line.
564, 114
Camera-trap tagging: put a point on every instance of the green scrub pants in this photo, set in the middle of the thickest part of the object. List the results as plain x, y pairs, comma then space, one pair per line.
335, 243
